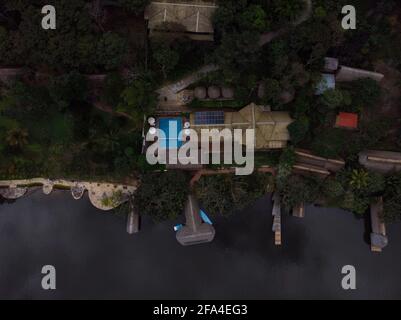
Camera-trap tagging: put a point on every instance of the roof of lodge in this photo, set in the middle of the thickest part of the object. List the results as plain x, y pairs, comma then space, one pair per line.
196, 16
270, 127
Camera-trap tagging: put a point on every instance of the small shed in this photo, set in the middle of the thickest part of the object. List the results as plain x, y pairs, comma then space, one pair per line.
193, 18
347, 120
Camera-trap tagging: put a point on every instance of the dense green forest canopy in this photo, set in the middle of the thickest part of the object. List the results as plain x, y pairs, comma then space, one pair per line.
55, 122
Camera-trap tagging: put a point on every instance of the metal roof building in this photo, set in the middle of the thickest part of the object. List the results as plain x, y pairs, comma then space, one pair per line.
193, 18
381, 161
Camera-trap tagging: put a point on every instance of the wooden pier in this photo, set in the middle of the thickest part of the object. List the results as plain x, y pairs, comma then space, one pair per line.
378, 237
276, 212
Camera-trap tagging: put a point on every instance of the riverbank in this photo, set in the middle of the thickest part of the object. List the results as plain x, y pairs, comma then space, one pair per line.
95, 258
103, 196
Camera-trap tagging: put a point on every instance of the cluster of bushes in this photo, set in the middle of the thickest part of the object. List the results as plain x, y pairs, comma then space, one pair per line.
225, 194
51, 130
351, 189
162, 195
76, 43
315, 118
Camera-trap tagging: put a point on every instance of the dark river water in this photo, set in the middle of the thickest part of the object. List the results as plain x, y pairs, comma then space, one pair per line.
95, 257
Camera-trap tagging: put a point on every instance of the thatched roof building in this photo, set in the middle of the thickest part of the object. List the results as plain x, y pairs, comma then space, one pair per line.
347, 120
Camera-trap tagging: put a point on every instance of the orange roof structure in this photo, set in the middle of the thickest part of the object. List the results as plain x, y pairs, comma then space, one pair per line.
347, 120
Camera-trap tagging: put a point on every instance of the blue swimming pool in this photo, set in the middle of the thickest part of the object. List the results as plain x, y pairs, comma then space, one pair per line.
172, 128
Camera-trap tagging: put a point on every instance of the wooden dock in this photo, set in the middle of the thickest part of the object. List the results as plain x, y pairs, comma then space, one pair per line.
299, 211
276, 212
378, 237
132, 220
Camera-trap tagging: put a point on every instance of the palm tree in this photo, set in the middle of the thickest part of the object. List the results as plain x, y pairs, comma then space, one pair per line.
359, 179
17, 138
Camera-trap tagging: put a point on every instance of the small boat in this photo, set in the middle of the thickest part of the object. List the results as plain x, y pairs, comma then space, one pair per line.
178, 227
205, 218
